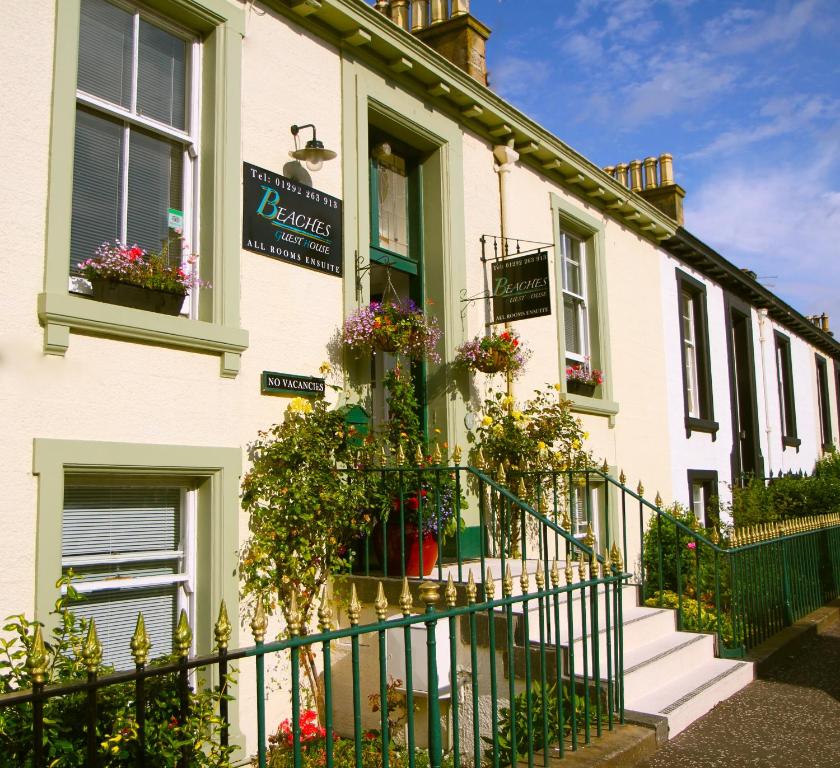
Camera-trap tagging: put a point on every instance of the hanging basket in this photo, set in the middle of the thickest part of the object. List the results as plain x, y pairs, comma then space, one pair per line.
494, 362
387, 342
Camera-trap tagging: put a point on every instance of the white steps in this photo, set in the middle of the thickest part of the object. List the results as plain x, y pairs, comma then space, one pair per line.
667, 673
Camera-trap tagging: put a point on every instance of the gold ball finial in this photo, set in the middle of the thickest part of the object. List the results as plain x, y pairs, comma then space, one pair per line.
430, 594
183, 636
380, 605
354, 608
222, 628
140, 643
259, 622
92, 649
406, 601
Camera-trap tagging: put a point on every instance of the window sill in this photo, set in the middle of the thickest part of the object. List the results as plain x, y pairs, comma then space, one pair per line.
791, 442
592, 405
701, 425
60, 313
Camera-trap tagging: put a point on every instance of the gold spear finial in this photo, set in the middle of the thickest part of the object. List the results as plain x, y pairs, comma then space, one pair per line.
183, 636
715, 537
658, 500
381, 603
489, 585
565, 520
36, 661
605, 468
222, 628
521, 490
471, 590
640, 489
294, 616
539, 576
400, 455
354, 608
501, 478
383, 457
140, 643
480, 461
555, 574
406, 601
569, 572
437, 458
259, 622
605, 563
92, 649
450, 593
589, 538
582, 568
418, 456
614, 555
507, 582
622, 478
525, 580
456, 456
325, 612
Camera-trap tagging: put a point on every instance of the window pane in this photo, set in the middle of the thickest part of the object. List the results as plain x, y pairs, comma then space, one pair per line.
570, 316
106, 42
115, 612
97, 166
393, 204
155, 184
161, 76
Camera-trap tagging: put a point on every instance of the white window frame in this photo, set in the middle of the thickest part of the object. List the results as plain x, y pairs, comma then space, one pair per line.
185, 576
578, 299
190, 137
578, 525
688, 316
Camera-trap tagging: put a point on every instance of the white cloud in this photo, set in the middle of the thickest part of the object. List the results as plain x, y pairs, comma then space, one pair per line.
512, 76
780, 221
742, 30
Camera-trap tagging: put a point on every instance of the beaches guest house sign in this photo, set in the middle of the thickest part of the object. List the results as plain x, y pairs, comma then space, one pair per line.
290, 221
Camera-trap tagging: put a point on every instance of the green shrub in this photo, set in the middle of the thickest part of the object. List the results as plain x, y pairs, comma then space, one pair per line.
695, 616
65, 737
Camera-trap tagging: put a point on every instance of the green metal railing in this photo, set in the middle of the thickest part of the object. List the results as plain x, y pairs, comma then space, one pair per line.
542, 702
743, 589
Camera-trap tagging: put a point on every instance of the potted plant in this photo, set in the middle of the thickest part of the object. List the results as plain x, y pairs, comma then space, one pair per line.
398, 327
494, 353
134, 277
581, 378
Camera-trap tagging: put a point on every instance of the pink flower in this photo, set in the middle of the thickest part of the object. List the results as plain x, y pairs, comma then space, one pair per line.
692, 545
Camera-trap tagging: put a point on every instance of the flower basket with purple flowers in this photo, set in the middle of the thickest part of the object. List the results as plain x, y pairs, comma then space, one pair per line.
398, 327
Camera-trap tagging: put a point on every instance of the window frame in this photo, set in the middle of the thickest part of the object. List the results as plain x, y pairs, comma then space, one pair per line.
569, 218
580, 301
696, 290
824, 402
787, 399
216, 328
708, 480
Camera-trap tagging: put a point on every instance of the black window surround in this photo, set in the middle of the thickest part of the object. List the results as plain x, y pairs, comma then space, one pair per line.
823, 398
705, 421
837, 390
787, 401
708, 478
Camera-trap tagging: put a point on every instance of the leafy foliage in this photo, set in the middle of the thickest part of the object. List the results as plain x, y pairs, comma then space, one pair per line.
697, 616
65, 737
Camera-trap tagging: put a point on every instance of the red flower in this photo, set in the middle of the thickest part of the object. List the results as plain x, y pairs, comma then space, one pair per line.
412, 503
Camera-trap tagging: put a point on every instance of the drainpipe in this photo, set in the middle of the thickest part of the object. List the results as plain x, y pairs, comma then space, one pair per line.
768, 429
506, 156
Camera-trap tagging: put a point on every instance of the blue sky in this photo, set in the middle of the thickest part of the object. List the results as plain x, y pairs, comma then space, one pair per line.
745, 95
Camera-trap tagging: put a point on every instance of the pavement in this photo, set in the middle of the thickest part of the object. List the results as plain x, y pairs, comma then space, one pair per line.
788, 717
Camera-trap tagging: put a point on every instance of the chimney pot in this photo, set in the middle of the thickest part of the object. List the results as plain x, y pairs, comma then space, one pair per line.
621, 174
636, 175
650, 172
460, 8
399, 13
418, 14
666, 169
609, 170
383, 6
439, 11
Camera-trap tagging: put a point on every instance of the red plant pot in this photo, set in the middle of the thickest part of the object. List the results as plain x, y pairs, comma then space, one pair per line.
412, 550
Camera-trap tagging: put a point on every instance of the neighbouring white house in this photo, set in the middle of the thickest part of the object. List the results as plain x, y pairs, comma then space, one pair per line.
126, 430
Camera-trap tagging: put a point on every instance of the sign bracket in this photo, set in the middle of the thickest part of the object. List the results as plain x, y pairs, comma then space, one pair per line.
507, 250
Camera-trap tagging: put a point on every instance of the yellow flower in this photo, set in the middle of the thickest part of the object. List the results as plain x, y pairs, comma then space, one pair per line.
558, 387
299, 405
575, 443
517, 415
507, 401
586, 435
487, 421
541, 445
325, 368
498, 429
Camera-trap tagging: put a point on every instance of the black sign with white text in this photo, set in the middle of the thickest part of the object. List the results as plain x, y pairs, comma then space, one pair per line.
291, 384
520, 288
290, 221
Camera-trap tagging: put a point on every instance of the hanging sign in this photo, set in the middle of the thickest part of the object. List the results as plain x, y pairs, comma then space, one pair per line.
290, 384
520, 287
290, 221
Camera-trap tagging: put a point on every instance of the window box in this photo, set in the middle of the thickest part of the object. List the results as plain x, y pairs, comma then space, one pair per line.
580, 387
137, 297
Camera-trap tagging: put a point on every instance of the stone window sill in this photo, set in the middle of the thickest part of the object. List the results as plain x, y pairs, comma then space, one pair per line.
593, 406
61, 313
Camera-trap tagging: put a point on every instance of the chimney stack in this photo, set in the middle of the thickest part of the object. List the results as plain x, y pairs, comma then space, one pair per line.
663, 192
447, 26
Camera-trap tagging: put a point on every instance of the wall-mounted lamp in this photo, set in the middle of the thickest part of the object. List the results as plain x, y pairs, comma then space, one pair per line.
314, 153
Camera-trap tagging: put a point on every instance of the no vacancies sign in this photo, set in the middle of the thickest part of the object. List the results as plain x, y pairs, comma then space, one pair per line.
290, 221
520, 288
289, 384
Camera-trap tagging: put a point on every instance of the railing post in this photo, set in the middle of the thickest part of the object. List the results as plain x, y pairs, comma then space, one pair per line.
324, 624
786, 586
406, 604
140, 645
37, 664
354, 610
91, 657
182, 643
430, 595
259, 624
381, 607
451, 595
